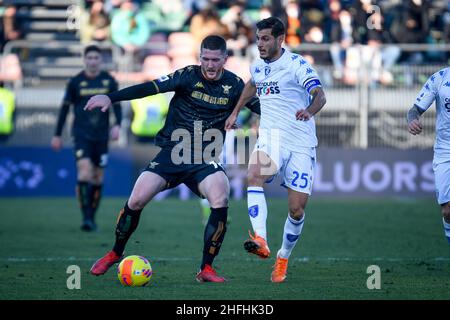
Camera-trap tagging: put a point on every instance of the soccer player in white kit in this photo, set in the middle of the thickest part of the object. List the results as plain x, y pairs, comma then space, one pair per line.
437, 88
290, 94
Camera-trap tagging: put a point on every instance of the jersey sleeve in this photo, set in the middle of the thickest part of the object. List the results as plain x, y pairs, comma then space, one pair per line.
305, 75
429, 91
69, 94
173, 81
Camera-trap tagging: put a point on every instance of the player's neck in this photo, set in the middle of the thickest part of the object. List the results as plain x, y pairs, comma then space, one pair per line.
276, 56
91, 74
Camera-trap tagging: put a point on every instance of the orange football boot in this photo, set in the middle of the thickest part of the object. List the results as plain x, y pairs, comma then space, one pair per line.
257, 245
279, 270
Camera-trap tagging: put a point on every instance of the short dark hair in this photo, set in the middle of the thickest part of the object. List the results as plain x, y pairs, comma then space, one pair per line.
273, 23
214, 42
90, 48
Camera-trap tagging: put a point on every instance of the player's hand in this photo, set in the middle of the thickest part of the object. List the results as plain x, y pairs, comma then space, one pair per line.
114, 132
230, 123
56, 143
303, 115
415, 127
99, 101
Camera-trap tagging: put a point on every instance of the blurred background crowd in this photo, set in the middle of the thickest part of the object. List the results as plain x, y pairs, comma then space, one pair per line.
141, 28
371, 55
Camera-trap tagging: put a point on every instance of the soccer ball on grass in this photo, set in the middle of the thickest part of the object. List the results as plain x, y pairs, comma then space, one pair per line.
134, 271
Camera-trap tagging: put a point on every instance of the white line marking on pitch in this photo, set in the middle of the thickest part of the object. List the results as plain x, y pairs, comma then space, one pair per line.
176, 259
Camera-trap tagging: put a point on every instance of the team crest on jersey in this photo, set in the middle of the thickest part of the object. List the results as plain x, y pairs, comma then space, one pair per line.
226, 89
152, 165
83, 83
199, 85
105, 82
266, 70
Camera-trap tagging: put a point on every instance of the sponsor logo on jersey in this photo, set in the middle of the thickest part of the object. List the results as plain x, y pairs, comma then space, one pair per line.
209, 99
93, 91
257, 70
447, 84
266, 88
294, 57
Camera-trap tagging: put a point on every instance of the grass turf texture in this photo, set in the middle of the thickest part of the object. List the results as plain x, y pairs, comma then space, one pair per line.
40, 238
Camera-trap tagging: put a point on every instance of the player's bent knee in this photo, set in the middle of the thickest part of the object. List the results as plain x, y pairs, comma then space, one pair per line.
136, 203
254, 178
296, 212
446, 212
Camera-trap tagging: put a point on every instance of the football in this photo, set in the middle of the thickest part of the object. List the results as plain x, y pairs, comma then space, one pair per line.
134, 271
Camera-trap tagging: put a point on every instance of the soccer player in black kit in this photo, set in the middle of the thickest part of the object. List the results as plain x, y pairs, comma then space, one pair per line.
90, 131
204, 97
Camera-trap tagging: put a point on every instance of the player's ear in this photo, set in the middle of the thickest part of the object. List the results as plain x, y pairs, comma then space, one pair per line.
280, 39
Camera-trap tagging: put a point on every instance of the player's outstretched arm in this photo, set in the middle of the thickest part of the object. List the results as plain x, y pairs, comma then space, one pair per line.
134, 92
248, 92
413, 119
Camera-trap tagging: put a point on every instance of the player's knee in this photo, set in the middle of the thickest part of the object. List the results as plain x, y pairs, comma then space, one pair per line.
446, 212
254, 178
219, 201
136, 203
296, 211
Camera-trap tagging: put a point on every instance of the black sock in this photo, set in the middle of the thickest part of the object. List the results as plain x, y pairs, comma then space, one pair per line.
126, 224
214, 233
96, 196
84, 194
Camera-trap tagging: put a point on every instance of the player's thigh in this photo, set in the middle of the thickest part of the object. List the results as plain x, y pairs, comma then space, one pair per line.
216, 188
298, 174
442, 182
85, 169
260, 168
145, 188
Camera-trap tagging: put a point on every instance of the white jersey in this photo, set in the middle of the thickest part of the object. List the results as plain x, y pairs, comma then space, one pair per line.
437, 88
283, 87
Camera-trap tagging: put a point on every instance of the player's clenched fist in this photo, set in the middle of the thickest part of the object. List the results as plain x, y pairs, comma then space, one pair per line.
99, 101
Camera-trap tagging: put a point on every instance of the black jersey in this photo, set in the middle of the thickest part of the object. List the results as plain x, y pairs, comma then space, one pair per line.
88, 125
199, 104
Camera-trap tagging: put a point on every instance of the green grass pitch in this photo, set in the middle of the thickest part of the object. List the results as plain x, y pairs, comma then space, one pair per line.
40, 238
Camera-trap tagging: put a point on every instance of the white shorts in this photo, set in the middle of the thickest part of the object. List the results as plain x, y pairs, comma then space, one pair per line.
442, 181
295, 167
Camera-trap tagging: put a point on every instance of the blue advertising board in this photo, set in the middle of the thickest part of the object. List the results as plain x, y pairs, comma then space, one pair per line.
39, 171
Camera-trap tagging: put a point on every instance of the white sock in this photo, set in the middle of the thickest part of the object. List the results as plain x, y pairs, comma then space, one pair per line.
257, 210
446, 229
292, 230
